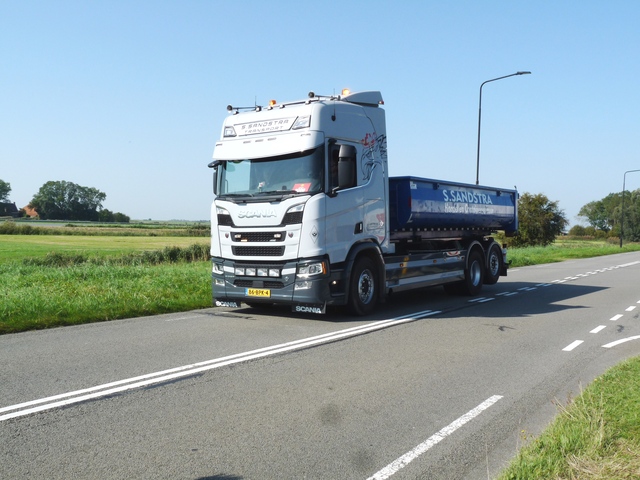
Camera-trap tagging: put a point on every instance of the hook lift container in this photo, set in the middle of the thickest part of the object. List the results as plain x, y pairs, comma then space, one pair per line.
305, 214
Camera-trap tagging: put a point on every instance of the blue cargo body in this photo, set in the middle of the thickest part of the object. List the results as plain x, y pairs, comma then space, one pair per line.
423, 203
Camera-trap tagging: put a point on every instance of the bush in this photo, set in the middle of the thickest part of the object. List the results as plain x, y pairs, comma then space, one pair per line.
577, 231
193, 253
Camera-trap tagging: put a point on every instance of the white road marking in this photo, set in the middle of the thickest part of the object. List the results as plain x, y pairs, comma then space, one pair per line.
598, 329
572, 345
618, 342
98, 391
616, 317
410, 456
630, 264
631, 308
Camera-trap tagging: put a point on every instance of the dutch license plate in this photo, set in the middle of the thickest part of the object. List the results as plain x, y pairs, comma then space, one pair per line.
258, 292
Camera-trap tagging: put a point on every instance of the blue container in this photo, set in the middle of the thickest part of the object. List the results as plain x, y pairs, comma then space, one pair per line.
423, 203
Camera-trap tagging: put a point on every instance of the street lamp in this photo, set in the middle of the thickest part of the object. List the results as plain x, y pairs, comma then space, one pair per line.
480, 118
624, 179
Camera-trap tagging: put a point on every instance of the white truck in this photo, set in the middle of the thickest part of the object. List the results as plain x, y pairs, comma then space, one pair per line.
305, 214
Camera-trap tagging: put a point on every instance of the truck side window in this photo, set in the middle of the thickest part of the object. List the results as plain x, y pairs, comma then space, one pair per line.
333, 168
342, 166
347, 177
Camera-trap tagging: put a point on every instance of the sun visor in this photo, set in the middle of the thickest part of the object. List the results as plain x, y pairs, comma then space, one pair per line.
282, 144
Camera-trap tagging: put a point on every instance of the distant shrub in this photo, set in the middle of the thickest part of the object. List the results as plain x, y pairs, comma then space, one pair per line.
577, 231
192, 253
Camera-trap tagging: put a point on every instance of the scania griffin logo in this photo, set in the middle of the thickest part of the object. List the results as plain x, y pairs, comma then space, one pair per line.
257, 213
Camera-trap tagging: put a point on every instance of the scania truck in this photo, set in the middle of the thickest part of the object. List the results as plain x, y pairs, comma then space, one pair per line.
305, 213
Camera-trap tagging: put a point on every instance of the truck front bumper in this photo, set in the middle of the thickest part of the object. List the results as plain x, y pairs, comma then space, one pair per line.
234, 282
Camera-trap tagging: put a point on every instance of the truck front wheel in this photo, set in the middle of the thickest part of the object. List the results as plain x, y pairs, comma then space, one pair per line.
363, 287
474, 274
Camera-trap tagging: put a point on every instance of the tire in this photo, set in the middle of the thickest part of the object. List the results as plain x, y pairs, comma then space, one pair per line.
494, 265
474, 274
363, 287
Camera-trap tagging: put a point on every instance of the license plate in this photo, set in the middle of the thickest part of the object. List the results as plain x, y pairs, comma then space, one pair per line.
258, 292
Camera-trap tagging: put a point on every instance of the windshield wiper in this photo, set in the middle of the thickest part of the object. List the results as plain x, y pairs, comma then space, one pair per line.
278, 192
235, 195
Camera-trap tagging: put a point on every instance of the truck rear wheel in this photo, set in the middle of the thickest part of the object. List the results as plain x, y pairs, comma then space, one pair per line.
363, 287
474, 274
494, 265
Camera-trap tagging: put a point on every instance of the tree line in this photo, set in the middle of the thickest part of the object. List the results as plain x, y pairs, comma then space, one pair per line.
62, 200
606, 216
540, 219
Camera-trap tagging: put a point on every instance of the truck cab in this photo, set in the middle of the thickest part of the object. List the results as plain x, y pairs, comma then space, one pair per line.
299, 188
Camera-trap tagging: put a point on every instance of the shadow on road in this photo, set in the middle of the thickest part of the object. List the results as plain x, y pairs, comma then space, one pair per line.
510, 299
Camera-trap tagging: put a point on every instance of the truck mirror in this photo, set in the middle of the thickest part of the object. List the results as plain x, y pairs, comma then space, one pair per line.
215, 164
347, 166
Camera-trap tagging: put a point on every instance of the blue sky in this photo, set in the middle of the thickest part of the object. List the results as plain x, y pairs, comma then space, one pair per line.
129, 96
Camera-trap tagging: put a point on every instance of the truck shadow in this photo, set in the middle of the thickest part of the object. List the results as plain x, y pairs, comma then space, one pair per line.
508, 300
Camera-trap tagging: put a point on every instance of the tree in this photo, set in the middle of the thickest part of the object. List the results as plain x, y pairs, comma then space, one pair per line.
631, 228
606, 215
603, 214
540, 221
108, 216
62, 200
5, 189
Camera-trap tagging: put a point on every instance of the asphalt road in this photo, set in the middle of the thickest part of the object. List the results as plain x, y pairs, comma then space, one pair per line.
432, 386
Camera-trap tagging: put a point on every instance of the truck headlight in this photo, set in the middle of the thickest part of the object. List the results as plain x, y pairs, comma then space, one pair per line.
217, 269
224, 217
311, 269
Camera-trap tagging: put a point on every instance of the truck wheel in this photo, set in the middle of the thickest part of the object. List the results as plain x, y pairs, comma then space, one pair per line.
494, 265
474, 274
363, 287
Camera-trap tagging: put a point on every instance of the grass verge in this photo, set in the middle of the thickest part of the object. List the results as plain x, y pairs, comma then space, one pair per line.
63, 289
567, 248
595, 437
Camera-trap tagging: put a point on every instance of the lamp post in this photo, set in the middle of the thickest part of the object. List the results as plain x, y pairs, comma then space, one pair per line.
480, 118
624, 179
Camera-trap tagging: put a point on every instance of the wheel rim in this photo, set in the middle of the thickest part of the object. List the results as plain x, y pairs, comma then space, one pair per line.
365, 287
475, 273
494, 264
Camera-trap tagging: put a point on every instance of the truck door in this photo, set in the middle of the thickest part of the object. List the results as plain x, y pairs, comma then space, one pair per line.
345, 200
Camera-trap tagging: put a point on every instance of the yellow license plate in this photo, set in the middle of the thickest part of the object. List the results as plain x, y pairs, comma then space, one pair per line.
258, 292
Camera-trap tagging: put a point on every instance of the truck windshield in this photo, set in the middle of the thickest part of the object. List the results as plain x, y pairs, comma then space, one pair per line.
301, 173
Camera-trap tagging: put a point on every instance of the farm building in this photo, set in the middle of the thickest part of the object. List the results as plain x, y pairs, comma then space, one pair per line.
8, 210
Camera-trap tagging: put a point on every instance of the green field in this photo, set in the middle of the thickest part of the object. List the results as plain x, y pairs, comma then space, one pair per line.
19, 247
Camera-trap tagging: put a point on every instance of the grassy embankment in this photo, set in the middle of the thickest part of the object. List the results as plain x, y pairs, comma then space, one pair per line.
87, 274
595, 437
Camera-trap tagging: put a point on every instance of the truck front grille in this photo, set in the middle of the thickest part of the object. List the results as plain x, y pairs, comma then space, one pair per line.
247, 251
258, 284
258, 236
